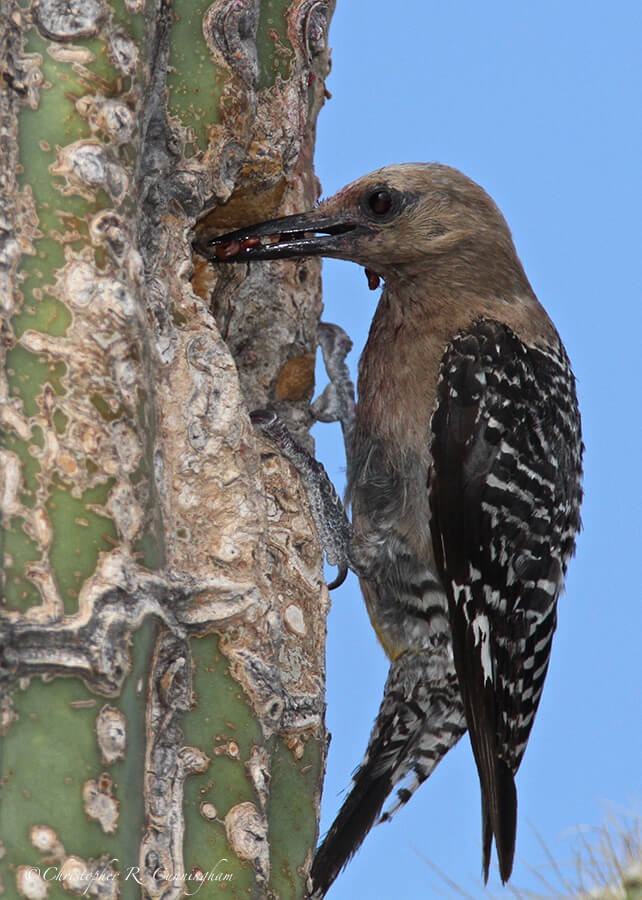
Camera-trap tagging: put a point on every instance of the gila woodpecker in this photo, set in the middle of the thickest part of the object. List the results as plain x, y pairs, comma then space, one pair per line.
464, 479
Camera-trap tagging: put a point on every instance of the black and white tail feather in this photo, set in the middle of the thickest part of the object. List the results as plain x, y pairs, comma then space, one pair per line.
420, 719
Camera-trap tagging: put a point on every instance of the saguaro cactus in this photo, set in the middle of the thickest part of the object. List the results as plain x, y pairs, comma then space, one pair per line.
163, 602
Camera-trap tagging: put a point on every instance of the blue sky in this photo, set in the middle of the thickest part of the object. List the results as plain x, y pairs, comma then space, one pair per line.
539, 103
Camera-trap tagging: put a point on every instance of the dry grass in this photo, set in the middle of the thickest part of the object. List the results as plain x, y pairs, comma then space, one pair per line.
605, 863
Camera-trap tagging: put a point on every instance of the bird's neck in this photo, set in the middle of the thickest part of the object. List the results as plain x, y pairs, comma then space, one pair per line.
398, 368
416, 318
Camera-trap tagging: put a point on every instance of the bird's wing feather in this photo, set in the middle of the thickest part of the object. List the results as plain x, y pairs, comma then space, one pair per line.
504, 490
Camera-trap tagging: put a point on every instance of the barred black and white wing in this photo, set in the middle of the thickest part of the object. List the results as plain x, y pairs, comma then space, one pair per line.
505, 492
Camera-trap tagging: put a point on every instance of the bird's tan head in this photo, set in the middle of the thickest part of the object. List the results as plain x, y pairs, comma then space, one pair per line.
395, 219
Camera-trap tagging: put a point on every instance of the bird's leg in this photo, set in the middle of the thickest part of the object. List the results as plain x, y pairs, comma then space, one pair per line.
333, 527
335, 404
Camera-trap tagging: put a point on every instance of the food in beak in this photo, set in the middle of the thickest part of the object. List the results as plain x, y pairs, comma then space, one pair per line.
230, 249
227, 249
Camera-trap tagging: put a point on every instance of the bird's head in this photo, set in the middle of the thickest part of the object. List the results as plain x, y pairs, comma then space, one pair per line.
394, 219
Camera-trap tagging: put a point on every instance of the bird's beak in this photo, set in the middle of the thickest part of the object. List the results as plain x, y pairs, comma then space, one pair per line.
306, 234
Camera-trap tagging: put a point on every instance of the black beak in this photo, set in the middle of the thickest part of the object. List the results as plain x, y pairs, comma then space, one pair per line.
306, 234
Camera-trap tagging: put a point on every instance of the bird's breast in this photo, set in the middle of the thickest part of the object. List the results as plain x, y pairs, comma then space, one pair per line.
398, 375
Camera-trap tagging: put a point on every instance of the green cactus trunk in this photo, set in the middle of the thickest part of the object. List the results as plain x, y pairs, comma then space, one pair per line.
163, 603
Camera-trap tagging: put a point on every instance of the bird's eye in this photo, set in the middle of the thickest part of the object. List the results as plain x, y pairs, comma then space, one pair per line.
379, 202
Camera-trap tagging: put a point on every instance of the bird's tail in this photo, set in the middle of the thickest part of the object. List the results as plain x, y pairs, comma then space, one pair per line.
356, 817
420, 719
499, 818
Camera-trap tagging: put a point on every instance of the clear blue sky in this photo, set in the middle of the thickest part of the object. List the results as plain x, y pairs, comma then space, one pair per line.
539, 103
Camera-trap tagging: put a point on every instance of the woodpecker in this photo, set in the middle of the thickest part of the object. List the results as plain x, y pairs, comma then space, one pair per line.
465, 471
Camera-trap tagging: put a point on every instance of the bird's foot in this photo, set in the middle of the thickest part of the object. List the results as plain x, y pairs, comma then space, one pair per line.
333, 527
